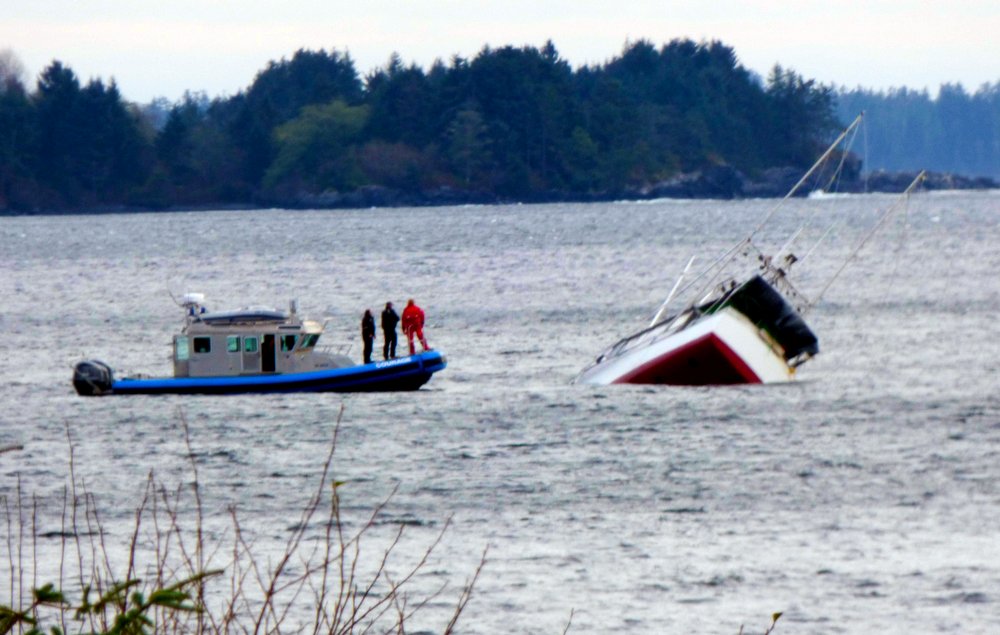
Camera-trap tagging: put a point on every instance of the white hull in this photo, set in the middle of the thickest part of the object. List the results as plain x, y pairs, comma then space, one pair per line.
722, 348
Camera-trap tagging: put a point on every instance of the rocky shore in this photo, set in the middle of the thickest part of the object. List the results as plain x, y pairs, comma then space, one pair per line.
728, 183
719, 182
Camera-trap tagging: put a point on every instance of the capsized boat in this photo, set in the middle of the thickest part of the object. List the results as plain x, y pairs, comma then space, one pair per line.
257, 350
745, 324
747, 334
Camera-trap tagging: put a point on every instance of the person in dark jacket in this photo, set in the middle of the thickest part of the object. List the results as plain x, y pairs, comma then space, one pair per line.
368, 334
389, 321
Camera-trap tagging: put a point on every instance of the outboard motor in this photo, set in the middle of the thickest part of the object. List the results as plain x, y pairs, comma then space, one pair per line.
92, 378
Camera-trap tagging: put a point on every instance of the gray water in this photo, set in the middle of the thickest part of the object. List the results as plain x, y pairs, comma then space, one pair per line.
862, 498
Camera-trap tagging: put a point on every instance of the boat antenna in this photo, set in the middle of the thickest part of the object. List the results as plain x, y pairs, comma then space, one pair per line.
901, 201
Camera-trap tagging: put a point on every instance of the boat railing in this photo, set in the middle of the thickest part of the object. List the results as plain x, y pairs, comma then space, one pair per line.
333, 349
720, 298
650, 334
714, 301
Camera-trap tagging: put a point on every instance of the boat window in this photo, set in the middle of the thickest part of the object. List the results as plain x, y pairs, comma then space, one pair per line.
249, 344
233, 344
287, 342
183, 349
309, 341
203, 345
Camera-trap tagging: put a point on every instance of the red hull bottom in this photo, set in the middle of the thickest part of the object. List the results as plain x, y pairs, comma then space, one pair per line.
705, 361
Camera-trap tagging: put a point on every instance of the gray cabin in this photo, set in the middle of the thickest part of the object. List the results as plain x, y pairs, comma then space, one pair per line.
249, 341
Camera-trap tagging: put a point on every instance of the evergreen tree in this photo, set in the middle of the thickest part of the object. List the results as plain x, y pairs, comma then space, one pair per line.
402, 105
510, 122
908, 130
525, 96
89, 147
17, 143
467, 147
280, 92
317, 151
801, 117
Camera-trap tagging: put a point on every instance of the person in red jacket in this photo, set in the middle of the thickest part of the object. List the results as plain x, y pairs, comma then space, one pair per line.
413, 324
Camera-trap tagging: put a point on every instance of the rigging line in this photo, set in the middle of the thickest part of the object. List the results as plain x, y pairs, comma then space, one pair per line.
821, 239
836, 176
839, 172
809, 173
719, 262
729, 255
864, 166
788, 243
903, 199
898, 251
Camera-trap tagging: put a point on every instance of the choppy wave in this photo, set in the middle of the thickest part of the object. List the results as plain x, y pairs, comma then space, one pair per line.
863, 497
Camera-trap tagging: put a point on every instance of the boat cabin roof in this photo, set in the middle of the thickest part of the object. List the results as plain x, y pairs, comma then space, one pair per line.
242, 316
255, 319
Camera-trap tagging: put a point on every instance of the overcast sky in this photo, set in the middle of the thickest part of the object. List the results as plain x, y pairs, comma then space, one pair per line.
158, 48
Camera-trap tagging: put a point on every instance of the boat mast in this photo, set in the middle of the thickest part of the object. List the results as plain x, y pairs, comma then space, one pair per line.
795, 188
726, 258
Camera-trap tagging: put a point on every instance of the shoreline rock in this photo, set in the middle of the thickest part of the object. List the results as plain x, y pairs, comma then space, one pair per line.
718, 182
728, 183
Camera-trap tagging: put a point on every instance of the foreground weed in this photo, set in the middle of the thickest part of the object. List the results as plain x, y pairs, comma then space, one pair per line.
306, 589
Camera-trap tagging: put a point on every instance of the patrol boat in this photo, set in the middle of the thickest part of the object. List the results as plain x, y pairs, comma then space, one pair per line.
257, 350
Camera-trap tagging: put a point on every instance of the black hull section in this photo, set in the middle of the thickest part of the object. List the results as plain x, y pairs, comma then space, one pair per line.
766, 308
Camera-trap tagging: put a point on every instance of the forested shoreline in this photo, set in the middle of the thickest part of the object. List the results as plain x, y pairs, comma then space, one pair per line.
956, 131
510, 124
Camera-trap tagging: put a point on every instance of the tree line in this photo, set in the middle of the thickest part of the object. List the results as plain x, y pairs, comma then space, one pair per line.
908, 130
511, 123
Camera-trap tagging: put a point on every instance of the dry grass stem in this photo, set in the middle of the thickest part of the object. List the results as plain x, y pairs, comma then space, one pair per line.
172, 577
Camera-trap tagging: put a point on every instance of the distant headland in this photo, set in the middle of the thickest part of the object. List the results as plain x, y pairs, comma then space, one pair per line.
680, 120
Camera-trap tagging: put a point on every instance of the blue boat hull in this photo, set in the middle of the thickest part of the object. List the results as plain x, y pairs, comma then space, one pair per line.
404, 373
